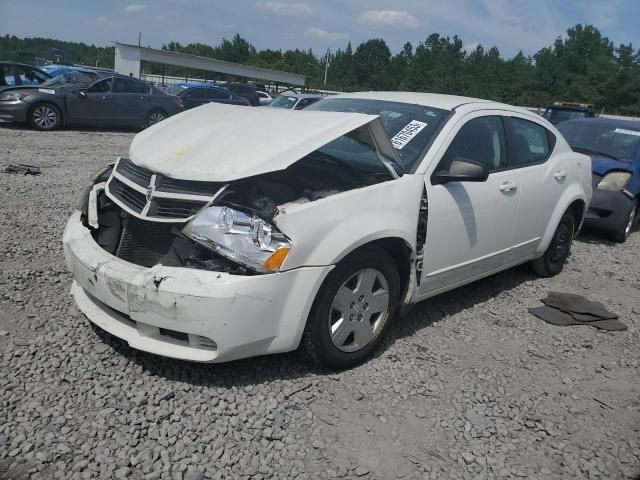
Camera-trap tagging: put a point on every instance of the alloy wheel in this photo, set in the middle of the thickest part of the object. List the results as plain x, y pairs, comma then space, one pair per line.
358, 310
156, 117
45, 117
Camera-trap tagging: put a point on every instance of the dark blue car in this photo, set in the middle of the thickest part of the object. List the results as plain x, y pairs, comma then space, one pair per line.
614, 148
196, 94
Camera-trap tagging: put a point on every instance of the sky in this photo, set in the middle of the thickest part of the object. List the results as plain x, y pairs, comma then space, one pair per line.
511, 25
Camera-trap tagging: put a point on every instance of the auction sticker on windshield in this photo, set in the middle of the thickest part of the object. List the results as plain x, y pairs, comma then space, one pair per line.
404, 136
627, 132
47, 90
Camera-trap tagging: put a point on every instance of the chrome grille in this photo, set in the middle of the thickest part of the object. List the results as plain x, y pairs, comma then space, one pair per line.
156, 197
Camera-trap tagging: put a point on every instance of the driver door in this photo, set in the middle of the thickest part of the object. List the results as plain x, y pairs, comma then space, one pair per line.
94, 108
470, 226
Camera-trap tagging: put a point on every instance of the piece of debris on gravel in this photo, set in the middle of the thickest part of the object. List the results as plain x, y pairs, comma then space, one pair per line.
468, 386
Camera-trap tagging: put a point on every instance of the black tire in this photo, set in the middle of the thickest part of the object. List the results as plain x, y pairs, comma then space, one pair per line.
359, 267
155, 116
624, 231
45, 116
554, 258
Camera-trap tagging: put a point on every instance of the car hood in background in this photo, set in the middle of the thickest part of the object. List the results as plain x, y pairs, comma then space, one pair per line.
217, 142
601, 165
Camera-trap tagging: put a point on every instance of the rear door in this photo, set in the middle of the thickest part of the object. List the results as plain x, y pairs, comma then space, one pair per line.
541, 178
94, 108
131, 100
470, 225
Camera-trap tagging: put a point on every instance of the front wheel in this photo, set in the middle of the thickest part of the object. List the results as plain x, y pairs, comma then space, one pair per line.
353, 310
154, 117
623, 233
554, 258
45, 116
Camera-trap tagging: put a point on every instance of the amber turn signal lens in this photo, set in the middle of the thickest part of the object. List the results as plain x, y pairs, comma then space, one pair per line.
275, 261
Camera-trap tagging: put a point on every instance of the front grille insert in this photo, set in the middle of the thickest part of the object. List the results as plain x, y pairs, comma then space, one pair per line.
143, 242
152, 196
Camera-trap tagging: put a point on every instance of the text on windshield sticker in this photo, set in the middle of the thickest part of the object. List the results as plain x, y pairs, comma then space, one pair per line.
47, 90
404, 136
627, 132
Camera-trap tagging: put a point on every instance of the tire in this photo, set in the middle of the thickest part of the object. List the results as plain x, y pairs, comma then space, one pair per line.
623, 233
155, 116
554, 258
360, 295
45, 116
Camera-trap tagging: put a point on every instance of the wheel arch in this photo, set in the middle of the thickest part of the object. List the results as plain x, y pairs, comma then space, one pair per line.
574, 199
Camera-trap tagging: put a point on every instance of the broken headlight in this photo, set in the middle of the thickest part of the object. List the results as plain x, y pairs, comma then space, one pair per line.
243, 238
614, 181
99, 176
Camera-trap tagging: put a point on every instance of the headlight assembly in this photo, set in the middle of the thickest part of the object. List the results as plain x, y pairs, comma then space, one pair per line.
12, 96
243, 238
614, 181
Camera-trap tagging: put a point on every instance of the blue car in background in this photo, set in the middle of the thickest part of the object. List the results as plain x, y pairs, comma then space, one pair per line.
55, 70
614, 148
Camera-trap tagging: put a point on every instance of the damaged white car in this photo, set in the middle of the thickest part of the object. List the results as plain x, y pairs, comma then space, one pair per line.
322, 229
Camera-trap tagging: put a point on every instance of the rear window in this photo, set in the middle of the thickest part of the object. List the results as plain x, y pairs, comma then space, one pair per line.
410, 127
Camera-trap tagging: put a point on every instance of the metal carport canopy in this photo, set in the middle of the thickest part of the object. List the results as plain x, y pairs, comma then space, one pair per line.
128, 58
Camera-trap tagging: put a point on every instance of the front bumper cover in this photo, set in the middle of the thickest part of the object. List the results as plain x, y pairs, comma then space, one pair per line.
186, 313
608, 210
14, 111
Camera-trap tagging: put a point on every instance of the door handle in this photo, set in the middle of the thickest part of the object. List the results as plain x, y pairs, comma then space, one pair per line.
106, 97
560, 175
144, 98
508, 187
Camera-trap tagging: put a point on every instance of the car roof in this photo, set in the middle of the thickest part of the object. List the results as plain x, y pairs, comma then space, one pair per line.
300, 95
436, 100
605, 122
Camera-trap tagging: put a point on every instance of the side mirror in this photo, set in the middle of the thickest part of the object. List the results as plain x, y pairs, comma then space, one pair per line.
82, 93
461, 170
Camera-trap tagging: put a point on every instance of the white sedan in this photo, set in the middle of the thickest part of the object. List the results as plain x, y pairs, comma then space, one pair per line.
320, 227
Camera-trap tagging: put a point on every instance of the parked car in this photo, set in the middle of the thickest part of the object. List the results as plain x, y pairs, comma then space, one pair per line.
194, 95
614, 148
12, 74
243, 90
75, 99
207, 247
559, 112
294, 101
265, 98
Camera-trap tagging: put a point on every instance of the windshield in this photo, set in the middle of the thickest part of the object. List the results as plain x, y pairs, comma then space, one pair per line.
612, 141
410, 127
555, 115
69, 78
284, 101
175, 89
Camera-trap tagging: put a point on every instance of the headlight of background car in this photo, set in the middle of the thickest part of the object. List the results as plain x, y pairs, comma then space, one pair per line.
614, 181
12, 96
246, 239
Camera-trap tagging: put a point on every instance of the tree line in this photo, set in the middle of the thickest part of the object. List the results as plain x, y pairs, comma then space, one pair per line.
582, 66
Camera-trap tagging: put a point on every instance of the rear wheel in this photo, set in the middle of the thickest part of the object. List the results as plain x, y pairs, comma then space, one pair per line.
554, 258
353, 310
154, 117
623, 233
45, 116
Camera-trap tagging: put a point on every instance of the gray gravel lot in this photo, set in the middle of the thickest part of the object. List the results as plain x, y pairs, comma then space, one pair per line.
469, 385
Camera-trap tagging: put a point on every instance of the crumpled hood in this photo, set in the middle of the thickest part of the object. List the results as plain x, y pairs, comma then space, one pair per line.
217, 142
601, 165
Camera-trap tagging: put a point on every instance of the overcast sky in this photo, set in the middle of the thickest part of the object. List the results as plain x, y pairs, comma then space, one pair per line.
509, 24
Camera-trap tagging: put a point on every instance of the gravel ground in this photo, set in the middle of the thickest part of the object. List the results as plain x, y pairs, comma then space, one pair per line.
469, 385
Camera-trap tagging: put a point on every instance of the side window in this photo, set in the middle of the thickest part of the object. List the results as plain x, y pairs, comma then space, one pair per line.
217, 94
30, 76
530, 142
101, 87
482, 140
124, 85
